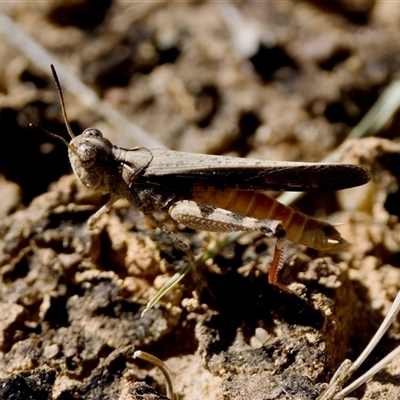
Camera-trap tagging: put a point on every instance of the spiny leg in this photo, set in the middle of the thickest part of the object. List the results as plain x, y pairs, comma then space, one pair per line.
205, 217
276, 265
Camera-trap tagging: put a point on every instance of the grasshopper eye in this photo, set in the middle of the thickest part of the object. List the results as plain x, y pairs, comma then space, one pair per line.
91, 146
92, 132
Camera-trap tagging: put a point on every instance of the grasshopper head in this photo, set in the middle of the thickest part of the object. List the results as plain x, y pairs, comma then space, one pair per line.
89, 153
90, 156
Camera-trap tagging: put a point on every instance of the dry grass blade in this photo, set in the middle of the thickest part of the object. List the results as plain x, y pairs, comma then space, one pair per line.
348, 370
158, 363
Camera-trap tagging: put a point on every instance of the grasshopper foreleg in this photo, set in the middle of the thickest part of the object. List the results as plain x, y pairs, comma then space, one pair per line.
103, 210
209, 218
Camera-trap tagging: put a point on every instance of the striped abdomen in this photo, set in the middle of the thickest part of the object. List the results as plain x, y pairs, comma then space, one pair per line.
299, 227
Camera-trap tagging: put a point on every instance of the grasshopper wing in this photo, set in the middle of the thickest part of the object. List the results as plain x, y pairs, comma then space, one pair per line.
250, 174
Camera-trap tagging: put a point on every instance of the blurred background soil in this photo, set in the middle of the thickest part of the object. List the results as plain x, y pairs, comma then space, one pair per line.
270, 80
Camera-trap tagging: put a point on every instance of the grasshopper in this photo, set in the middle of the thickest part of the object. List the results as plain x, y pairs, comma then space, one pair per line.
207, 192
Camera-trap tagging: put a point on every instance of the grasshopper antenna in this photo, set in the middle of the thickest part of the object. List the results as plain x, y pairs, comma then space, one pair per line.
60, 95
34, 126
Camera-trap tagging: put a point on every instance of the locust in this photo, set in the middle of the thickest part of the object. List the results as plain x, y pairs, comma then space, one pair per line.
209, 192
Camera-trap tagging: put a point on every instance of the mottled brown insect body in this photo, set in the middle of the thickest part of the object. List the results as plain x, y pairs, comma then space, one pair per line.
212, 193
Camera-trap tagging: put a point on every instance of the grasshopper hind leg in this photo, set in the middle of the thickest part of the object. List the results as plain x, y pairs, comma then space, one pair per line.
209, 218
